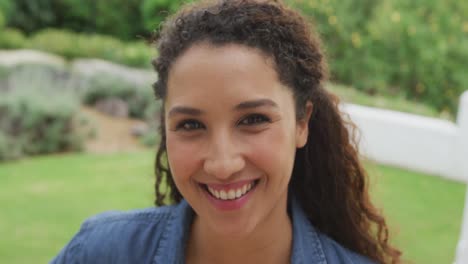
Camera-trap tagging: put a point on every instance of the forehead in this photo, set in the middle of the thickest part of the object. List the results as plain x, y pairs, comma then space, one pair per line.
231, 70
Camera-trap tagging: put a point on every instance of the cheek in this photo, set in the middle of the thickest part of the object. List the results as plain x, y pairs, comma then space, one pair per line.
182, 157
273, 151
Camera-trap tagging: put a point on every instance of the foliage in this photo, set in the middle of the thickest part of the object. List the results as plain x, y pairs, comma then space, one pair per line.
125, 19
4, 72
37, 116
151, 137
25, 77
396, 103
6, 8
154, 11
112, 17
138, 98
9, 149
75, 15
119, 18
75, 45
414, 48
2, 20
30, 16
12, 39
411, 49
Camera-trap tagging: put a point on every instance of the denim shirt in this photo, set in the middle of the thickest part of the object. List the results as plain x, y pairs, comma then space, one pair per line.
159, 235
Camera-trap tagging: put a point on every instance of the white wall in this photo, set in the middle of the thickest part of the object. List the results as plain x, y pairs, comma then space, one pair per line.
409, 141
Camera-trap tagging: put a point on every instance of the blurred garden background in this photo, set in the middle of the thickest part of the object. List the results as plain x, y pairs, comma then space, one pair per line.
78, 119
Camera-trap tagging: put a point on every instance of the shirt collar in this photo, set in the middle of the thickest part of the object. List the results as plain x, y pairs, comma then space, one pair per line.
175, 236
307, 247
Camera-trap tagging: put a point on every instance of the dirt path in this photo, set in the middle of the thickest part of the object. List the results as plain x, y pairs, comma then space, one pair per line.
112, 134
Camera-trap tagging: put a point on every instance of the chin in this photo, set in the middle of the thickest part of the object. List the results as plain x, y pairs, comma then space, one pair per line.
234, 227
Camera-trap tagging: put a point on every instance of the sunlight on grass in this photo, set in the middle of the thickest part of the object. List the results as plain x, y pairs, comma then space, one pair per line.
425, 212
44, 200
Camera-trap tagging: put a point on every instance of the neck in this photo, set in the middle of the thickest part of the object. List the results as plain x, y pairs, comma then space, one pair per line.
270, 242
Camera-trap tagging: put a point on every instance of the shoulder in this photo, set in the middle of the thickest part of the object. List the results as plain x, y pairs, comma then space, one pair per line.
133, 217
336, 253
117, 237
312, 245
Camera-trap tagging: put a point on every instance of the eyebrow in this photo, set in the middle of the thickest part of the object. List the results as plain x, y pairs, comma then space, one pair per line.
185, 110
242, 106
255, 104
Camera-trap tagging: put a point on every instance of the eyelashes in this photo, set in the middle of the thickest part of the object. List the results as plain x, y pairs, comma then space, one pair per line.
189, 125
254, 119
249, 120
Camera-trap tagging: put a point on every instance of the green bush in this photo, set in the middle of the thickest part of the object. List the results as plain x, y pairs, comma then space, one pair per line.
6, 8
120, 18
30, 16
152, 118
417, 49
52, 77
2, 20
12, 39
9, 38
426, 44
78, 45
154, 11
34, 122
9, 147
75, 15
125, 19
138, 98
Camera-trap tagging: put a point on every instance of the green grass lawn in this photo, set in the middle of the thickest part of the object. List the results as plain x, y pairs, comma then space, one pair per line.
43, 201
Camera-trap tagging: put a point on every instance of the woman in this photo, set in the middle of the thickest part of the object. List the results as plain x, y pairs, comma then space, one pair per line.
255, 156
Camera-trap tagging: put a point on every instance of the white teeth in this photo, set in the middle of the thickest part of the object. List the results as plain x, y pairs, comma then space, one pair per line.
238, 193
231, 194
223, 195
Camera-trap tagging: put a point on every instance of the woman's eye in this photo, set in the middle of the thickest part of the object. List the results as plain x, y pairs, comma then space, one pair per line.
254, 119
189, 125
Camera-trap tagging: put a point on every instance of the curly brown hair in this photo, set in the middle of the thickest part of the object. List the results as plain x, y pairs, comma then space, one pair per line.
328, 178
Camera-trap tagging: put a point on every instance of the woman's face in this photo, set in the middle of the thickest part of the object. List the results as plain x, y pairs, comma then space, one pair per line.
232, 135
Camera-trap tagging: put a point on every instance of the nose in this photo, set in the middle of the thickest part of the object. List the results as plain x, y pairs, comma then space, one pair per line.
223, 158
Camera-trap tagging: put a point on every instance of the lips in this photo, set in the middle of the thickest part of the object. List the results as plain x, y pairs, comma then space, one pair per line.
230, 196
230, 193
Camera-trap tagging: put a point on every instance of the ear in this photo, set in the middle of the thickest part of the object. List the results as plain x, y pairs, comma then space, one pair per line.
302, 126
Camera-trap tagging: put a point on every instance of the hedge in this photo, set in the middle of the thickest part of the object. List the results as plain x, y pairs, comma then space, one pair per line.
12, 39
39, 107
138, 98
34, 122
73, 45
125, 19
415, 48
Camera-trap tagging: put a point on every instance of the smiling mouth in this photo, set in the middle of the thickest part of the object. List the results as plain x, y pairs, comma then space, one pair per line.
229, 194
